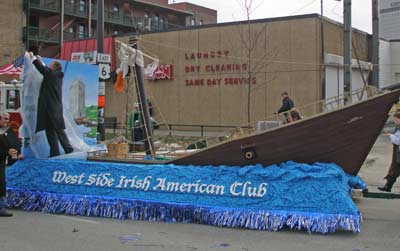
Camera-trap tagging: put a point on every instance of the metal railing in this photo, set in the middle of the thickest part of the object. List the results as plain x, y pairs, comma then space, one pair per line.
170, 128
114, 17
43, 34
46, 5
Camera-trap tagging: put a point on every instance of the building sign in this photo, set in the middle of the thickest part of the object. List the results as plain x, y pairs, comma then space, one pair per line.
88, 57
103, 58
164, 71
208, 68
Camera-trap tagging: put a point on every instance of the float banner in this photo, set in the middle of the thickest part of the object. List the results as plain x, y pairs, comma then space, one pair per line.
311, 197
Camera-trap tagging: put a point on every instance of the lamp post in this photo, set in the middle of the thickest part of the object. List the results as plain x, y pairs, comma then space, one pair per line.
101, 98
347, 50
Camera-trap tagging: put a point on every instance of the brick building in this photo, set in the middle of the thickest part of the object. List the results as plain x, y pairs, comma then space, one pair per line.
12, 19
120, 17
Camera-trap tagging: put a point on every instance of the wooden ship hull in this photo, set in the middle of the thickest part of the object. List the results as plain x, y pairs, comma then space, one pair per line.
344, 136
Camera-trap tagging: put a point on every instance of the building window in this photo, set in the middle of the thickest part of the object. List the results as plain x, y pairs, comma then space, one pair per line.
115, 32
201, 22
147, 20
82, 31
156, 21
82, 5
193, 22
71, 29
115, 8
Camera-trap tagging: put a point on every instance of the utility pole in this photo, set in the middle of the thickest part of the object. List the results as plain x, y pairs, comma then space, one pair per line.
323, 50
347, 50
62, 25
90, 20
375, 43
27, 6
102, 83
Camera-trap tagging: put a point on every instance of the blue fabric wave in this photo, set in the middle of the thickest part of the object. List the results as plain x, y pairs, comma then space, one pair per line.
299, 196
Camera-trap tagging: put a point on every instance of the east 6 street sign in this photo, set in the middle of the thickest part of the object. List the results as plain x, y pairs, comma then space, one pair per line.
104, 71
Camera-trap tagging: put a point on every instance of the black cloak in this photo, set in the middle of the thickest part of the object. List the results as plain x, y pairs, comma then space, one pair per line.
50, 109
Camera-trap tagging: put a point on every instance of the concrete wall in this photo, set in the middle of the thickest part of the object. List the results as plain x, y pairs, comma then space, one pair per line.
396, 60
389, 63
385, 62
12, 20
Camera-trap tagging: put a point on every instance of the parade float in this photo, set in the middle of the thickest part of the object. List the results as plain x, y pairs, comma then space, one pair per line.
298, 175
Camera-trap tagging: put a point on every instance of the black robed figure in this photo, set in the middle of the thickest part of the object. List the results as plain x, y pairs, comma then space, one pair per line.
50, 109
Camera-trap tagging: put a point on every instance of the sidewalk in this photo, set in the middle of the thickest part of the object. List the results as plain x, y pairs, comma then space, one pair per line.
377, 164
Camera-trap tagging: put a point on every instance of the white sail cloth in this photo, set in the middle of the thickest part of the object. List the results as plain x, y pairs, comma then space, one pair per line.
130, 56
32, 80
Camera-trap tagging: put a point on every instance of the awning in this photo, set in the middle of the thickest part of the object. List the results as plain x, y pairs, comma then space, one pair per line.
86, 46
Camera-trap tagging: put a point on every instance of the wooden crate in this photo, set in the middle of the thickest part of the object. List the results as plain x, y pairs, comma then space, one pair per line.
119, 151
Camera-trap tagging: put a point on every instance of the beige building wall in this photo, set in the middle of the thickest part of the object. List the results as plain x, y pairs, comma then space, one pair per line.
278, 55
334, 41
12, 19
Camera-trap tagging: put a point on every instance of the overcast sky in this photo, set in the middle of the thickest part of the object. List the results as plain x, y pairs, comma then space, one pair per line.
230, 10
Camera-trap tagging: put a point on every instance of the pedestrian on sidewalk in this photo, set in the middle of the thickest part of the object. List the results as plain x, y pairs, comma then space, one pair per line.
394, 169
10, 151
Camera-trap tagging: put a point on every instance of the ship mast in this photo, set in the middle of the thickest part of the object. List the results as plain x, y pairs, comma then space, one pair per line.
142, 100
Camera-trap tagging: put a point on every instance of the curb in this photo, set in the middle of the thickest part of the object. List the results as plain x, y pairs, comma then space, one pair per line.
379, 195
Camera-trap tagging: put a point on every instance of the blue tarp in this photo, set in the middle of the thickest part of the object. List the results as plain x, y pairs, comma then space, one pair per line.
312, 197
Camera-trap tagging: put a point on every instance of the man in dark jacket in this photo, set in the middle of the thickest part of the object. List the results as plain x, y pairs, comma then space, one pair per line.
10, 150
287, 105
50, 109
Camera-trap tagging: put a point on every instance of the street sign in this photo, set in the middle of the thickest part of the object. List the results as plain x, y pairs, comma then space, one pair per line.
102, 88
103, 58
104, 71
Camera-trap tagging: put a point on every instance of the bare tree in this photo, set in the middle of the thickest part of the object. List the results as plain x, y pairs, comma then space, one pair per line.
249, 39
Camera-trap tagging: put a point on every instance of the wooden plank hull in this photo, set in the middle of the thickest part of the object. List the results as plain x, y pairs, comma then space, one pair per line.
344, 136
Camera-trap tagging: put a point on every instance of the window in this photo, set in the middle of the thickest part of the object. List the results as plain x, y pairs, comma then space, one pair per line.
193, 22
147, 21
201, 22
82, 5
81, 31
162, 21
71, 29
115, 32
156, 21
115, 8
13, 99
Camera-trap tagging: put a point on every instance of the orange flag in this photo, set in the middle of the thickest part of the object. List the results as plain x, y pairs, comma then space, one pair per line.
119, 84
